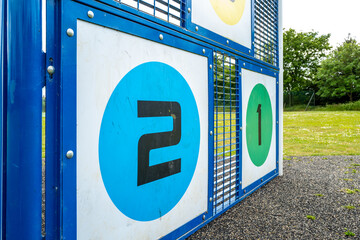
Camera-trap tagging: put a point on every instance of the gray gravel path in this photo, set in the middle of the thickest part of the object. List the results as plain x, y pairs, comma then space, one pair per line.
316, 186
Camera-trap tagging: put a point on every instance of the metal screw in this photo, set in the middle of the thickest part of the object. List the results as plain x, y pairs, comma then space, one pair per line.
196, 28
275, 74
244, 191
189, 10
249, 51
211, 199
70, 32
240, 182
203, 51
70, 154
277, 122
203, 217
240, 128
161, 37
210, 66
211, 133
244, 64
277, 82
51, 70
261, 69
90, 14
277, 161
227, 41
262, 180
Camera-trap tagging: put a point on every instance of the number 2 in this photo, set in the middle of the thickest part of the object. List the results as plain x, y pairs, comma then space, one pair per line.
147, 142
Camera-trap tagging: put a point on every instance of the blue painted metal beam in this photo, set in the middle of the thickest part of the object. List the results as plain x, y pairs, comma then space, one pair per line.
2, 75
23, 123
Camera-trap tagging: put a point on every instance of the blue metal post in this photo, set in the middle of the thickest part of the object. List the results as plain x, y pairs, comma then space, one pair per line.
2, 75
23, 123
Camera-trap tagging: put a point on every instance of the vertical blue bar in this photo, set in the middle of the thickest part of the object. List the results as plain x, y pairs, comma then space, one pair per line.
2, 75
23, 123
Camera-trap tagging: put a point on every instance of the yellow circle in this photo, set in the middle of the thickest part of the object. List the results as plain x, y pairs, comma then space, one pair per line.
229, 11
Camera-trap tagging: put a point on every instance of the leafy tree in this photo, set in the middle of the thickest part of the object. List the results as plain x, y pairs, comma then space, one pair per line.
339, 74
303, 52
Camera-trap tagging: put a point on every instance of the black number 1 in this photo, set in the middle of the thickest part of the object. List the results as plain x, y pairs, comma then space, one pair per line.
259, 122
147, 142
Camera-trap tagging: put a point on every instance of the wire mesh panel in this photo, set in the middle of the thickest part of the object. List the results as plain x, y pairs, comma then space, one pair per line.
168, 10
226, 127
266, 31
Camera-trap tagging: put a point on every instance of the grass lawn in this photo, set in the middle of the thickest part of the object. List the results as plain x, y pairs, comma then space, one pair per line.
321, 133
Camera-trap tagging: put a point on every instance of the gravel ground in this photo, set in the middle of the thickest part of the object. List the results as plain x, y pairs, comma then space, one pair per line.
327, 188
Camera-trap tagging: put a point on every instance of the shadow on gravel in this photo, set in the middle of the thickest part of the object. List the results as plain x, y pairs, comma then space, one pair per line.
324, 188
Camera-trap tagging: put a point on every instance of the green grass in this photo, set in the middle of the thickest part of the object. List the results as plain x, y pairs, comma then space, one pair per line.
310, 217
352, 106
321, 133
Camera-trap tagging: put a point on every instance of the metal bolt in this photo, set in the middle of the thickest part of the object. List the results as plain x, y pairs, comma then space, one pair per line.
240, 128
249, 51
244, 191
277, 82
261, 69
274, 74
211, 199
161, 37
189, 10
227, 41
70, 32
203, 217
240, 182
277, 161
90, 14
244, 64
210, 66
203, 51
196, 28
262, 180
51, 70
211, 133
70, 154
277, 122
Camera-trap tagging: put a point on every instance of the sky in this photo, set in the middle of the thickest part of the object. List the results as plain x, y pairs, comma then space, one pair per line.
324, 16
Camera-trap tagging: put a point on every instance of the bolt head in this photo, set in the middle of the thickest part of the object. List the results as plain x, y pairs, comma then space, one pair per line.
227, 41
161, 37
70, 32
51, 70
211, 199
210, 66
69, 154
204, 217
90, 14
189, 10
211, 133
196, 28
203, 51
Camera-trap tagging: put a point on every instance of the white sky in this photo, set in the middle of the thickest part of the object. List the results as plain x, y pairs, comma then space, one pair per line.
324, 16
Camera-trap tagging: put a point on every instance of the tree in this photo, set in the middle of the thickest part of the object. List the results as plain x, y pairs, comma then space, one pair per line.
339, 74
303, 53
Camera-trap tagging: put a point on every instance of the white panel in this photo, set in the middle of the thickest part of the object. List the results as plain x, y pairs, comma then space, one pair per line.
104, 56
204, 15
250, 172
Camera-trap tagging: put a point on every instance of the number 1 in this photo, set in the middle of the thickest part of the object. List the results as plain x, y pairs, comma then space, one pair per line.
259, 122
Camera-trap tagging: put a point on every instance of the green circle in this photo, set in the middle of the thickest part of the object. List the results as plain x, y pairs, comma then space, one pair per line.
259, 117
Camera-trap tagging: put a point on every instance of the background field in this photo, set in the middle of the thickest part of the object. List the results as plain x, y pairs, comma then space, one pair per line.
321, 133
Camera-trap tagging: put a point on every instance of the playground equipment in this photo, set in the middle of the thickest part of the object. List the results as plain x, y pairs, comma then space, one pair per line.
160, 114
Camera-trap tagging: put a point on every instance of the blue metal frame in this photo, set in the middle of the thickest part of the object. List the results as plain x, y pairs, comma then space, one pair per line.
61, 96
2, 111
24, 71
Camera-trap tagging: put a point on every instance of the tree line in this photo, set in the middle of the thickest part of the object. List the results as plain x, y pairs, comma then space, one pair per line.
311, 64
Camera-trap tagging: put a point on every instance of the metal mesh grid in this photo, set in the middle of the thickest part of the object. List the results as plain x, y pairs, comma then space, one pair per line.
266, 31
171, 11
226, 131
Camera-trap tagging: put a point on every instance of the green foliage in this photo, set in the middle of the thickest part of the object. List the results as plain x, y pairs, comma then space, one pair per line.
349, 233
303, 52
351, 106
310, 217
350, 207
319, 195
339, 74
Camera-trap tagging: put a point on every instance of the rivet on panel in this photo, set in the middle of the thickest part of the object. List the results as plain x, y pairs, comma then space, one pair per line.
210, 66
277, 122
211, 133
227, 41
203, 51
240, 182
196, 28
244, 191
249, 51
261, 69
211, 199
262, 180
244, 64
204, 217
189, 10
90, 14
277, 82
70, 32
51, 70
161, 37
240, 128
69, 154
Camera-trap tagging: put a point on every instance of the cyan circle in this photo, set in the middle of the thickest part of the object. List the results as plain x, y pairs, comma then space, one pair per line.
121, 129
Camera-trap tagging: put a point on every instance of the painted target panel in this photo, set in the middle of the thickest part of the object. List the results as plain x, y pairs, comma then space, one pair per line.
228, 18
259, 119
142, 142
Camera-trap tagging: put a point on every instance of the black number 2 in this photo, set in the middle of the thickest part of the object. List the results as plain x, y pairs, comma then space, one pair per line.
259, 122
147, 142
